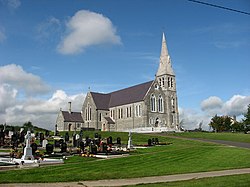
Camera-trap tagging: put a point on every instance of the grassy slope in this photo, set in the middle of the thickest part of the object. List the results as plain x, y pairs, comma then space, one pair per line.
237, 137
182, 156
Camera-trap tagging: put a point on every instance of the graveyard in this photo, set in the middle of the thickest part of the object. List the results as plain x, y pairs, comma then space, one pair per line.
147, 155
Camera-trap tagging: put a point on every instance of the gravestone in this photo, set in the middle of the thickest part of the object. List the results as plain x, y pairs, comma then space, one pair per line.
153, 141
45, 142
109, 140
103, 147
66, 137
2, 136
41, 138
47, 133
27, 155
49, 148
149, 142
34, 148
93, 149
118, 141
156, 141
96, 135
63, 147
57, 143
130, 145
21, 139
82, 146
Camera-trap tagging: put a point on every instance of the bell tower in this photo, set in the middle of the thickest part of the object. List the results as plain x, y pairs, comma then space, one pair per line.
165, 77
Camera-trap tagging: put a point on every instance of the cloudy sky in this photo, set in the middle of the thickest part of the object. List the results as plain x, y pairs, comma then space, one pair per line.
52, 52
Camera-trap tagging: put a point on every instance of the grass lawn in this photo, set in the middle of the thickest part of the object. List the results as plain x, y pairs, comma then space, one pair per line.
225, 181
237, 137
182, 156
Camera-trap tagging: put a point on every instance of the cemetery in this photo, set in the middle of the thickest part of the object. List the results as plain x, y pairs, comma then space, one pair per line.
25, 149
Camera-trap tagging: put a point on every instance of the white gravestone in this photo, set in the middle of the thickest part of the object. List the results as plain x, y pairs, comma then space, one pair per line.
27, 155
130, 146
45, 142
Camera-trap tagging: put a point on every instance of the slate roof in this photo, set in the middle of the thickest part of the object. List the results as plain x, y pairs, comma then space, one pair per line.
109, 120
121, 97
72, 117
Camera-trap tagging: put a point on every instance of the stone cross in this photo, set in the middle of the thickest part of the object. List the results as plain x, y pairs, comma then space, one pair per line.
27, 155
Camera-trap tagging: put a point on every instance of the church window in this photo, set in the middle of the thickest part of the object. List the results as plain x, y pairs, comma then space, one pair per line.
160, 104
169, 82
130, 111
160, 82
163, 81
153, 103
172, 83
88, 113
173, 104
127, 112
100, 117
138, 110
120, 113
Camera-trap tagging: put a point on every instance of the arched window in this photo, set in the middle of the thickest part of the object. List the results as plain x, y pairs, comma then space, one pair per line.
160, 104
153, 103
160, 82
173, 104
163, 82
88, 113
100, 117
169, 85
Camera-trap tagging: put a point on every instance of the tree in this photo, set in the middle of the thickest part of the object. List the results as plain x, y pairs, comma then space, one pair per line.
221, 123
246, 120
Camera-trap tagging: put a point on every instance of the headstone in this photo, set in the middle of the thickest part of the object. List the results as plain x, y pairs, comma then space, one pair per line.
66, 137
149, 142
47, 133
156, 141
109, 140
63, 147
41, 138
22, 138
130, 145
27, 155
34, 148
118, 141
49, 148
103, 147
93, 149
74, 141
45, 142
57, 143
96, 135
2, 136
82, 146
6, 132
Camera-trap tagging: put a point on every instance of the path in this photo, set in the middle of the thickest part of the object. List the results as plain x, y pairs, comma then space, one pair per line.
224, 142
135, 181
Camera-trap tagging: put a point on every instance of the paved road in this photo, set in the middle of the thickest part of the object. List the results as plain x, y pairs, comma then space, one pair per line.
134, 181
224, 142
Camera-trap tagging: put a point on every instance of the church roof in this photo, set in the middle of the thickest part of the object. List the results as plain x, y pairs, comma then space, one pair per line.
121, 97
72, 117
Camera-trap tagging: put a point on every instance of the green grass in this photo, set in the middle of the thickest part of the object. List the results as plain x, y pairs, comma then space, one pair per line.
182, 156
225, 181
237, 137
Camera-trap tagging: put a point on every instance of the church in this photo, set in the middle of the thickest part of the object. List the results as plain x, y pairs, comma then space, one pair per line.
150, 105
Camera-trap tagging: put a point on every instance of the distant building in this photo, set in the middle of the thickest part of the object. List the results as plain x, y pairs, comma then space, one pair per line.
151, 104
69, 121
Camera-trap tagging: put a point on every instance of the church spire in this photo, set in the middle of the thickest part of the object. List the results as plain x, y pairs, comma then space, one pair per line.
165, 66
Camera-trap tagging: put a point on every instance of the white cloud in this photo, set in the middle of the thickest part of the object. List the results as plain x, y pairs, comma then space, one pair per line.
41, 112
85, 29
15, 76
212, 105
235, 106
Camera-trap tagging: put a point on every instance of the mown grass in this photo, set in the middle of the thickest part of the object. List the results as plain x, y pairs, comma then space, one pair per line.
225, 181
237, 137
182, 156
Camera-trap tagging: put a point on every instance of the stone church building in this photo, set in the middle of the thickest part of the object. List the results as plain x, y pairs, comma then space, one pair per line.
149, 105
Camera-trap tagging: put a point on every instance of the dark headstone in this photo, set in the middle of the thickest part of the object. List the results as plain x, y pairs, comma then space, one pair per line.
149, 142
82, 146
6, 132
74, 140
156, 141
34, 148
153, 141
66, 137
96, 135
103, 147
22, 137
57, 143
63, 147
109, 140
118, 141
2, 135
93, 149
47, 133
49, 148
41, 138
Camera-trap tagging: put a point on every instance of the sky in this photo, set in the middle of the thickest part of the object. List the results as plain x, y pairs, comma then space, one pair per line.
53, 52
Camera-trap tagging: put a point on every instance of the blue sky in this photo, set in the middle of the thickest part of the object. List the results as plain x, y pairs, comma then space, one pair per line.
53, 51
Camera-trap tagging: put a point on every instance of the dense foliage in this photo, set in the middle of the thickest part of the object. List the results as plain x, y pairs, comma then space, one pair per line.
226, 123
